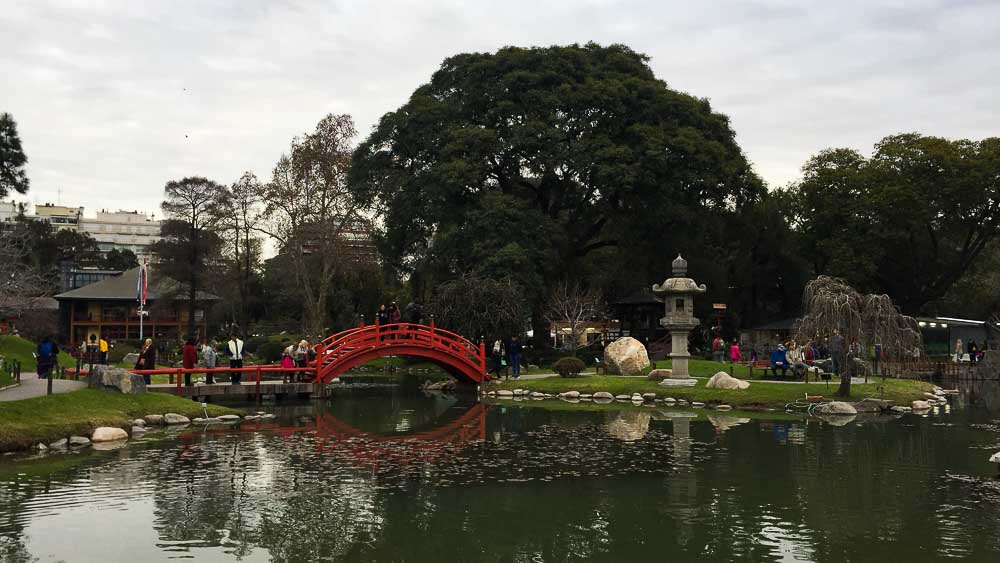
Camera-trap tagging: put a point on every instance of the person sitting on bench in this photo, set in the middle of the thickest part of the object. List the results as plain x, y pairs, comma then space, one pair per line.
779, 360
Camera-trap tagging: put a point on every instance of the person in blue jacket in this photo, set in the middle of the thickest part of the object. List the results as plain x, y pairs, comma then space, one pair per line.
779, 360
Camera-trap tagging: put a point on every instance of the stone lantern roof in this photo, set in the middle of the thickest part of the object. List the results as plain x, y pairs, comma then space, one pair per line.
680, 284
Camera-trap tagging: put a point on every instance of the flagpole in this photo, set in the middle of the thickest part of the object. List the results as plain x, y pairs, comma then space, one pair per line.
141, 296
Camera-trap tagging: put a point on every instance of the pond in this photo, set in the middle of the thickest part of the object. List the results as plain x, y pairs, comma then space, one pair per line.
409, 477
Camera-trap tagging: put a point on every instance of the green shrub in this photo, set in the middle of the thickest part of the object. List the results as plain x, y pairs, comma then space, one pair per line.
569, 366
270, 352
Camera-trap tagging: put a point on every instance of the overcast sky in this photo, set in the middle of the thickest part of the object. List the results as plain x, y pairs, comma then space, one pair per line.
113, 99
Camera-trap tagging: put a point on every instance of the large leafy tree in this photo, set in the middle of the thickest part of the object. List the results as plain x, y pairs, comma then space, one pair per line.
547, 156
119, 259
13, 177
190, 242
909, 221
238, 215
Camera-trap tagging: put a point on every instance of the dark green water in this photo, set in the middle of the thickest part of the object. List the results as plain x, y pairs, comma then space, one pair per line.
432, 479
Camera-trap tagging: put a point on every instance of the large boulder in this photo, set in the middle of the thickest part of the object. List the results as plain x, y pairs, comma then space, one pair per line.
626, 356
108, 434
153, 419
835, 407
921, 405
109, 378
722, 380
603, 395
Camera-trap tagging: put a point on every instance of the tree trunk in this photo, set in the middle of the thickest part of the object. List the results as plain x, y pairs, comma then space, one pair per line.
540, 327
845, 385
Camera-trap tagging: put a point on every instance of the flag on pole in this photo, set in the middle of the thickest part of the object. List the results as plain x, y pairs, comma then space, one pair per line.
140, 288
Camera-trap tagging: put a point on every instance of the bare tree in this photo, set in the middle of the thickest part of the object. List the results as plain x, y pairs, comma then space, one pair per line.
239, 216
20, 283
834, 308
310, 213
570, 308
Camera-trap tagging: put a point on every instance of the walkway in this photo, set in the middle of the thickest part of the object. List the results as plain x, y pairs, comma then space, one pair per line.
31, 387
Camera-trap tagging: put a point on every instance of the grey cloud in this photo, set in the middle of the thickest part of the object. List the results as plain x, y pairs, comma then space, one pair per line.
116, 98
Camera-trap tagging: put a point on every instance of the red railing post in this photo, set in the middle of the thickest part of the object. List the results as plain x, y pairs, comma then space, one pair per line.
258, 383
179, 383
432, 331
377, 328
482, 357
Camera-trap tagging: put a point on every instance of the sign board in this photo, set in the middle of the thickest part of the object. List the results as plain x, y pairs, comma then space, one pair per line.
719, 306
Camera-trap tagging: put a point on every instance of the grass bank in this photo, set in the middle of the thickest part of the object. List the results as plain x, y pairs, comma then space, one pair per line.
46, 419
761, 394
17, 348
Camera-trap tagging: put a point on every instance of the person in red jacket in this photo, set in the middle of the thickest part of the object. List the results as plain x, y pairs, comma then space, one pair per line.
189, 357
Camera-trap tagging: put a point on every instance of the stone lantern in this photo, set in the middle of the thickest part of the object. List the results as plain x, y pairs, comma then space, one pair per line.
678, 302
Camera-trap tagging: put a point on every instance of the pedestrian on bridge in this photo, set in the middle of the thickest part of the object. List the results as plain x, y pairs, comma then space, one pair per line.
235, 350
189, 357
147, 359
209, 357
301, 357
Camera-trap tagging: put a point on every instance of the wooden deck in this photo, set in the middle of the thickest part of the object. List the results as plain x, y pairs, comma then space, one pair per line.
246, 391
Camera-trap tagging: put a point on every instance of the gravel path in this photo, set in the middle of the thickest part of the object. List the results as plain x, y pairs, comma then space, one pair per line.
31, 387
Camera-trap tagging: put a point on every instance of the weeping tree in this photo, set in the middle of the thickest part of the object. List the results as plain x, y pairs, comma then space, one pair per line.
836, 310
477, 307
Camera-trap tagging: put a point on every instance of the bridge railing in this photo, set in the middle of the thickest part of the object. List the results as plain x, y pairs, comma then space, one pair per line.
257, 374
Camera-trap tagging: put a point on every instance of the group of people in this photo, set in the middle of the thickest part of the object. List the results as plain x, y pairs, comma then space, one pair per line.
506, 353
190, 352
968, 353
296, 356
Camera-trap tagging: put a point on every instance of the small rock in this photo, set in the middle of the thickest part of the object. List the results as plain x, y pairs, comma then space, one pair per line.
659, 374
603, 395
900, 410
537, 395
669, 401
649, 397
570, 395
872, 405
682, 403
154, 418
59, 443
697, 404
108, 434
174, 418
921, 406
724, 408
79, 441
518, 392
228, 417
489, 393
931, 396
250, 417
995, 458
835, 407
139, 422
505, 393
268, 415
586, 396
137, 430
623, 397
41, 447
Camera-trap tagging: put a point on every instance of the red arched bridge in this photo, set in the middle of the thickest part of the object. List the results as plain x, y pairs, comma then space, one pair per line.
457, 355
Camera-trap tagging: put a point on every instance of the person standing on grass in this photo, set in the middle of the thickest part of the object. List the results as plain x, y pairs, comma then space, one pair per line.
734, 352
189, 357
235, 349
45, 357
515, 356
718, 349
102, 346
147, 359
209, 357
497, 357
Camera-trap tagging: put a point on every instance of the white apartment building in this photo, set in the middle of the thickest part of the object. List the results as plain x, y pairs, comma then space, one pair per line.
9, 211
124, 230
59, 216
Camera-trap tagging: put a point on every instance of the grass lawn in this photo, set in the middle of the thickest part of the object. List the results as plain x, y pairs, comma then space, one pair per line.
5, 379
46, 419
760, 394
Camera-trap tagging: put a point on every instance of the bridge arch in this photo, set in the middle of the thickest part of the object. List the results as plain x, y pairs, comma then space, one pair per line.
460, 357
